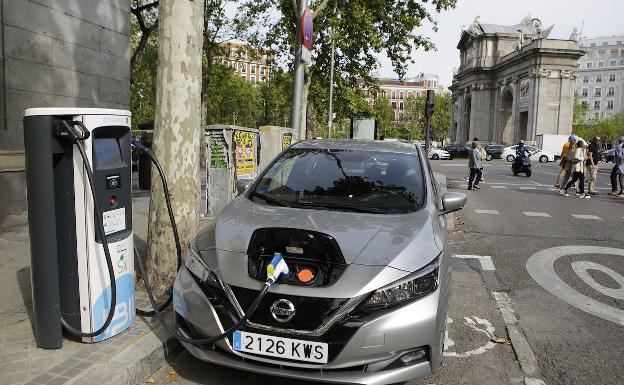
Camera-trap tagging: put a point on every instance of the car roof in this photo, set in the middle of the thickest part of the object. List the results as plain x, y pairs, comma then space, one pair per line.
358, 144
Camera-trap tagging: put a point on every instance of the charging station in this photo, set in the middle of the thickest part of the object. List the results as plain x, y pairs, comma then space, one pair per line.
69, 271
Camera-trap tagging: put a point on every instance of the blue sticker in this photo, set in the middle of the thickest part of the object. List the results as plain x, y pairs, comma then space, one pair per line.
124, 310
237, 340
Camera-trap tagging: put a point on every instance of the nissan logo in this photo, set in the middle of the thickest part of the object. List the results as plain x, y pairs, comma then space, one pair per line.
282, 310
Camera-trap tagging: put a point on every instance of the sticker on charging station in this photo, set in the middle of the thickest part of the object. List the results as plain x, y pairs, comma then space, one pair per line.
114, 220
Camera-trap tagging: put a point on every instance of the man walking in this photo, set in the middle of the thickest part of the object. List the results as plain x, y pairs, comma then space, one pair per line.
567, 154
593, 157
474, 163
617, 172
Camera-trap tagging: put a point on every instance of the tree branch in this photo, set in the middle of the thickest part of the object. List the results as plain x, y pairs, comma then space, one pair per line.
319, 8
143, 7
294, 7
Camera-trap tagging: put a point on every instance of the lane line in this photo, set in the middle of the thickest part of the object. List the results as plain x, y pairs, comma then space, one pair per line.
583, 216
484, 260
492, 212
498, 187
528, 188
524, 353
536, 214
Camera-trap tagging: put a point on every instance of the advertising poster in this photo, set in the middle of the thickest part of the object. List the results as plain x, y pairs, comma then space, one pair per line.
286, 140
245, 156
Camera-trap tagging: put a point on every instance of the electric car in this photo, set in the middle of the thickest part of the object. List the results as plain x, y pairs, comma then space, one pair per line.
361, 226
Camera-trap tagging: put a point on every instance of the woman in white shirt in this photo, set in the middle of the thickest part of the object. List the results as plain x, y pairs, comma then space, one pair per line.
578, 169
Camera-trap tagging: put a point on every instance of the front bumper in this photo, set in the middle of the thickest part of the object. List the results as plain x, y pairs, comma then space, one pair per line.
370, 356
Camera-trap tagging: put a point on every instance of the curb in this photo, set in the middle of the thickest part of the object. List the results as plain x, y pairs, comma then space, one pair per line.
135, 363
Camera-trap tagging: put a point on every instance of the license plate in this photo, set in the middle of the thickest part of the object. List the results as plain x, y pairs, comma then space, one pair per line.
291, 349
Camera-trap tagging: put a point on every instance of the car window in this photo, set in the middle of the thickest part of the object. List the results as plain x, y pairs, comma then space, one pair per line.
344, 180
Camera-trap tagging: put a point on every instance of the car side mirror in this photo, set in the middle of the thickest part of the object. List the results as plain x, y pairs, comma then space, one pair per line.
452, 202
241, 185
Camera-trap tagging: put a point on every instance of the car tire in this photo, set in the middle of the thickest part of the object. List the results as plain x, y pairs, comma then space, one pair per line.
435, 157
510, 158
543, 159
488, 157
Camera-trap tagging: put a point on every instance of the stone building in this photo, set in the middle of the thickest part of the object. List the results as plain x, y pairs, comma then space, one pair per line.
56, 53
248, 63
513, 83
600, 82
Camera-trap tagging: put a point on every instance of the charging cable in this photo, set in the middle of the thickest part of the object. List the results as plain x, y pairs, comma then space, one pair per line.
68, 130
277, 269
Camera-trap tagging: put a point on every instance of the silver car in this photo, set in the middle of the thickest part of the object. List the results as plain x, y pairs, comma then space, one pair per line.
361, 226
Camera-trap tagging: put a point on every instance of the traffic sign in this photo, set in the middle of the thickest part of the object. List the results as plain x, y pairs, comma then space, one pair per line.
306, 55
307, 30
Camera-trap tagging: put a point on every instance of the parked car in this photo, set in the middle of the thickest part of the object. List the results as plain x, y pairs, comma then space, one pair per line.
538, 155
608, 155
457, 150
361, 219
437, 153
494, 151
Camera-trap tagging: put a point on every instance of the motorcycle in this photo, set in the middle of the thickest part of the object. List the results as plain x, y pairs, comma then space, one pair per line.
521, 164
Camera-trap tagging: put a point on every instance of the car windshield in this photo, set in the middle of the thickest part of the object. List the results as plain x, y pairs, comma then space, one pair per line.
345, 180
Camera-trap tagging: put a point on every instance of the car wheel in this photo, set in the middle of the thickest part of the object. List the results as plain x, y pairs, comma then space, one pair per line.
488, 157
543, 159
510, 158
528, 174
435, 157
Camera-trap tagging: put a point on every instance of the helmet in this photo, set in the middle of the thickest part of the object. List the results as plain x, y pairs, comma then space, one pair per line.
573, 138
521, 143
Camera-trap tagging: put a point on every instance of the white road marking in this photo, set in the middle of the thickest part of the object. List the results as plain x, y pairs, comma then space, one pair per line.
541, 267
583, 216
493, 212
477, 324
528, 188
534, 214
581, 267
526, 357
484, 260
498, 187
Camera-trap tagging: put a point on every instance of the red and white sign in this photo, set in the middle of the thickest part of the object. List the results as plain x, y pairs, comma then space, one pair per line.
307, 30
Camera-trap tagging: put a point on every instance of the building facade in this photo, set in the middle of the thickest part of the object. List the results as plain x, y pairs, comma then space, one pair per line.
61, 54
248, 63
600, 84
513, 83
397, 91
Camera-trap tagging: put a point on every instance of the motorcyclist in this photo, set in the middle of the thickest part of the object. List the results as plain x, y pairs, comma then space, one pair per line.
522, 150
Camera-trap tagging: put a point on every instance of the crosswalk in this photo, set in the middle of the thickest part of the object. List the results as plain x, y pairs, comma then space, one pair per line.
536, 214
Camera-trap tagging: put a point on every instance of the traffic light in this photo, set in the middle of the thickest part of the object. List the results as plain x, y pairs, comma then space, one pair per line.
430, 103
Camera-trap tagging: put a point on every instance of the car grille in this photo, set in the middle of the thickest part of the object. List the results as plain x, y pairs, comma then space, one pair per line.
310, 313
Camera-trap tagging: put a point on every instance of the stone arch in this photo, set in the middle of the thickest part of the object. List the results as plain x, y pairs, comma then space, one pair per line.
466, 119
506, 129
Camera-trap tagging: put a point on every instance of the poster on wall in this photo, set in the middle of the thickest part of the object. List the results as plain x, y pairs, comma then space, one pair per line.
245, 156
286, 140
217, 153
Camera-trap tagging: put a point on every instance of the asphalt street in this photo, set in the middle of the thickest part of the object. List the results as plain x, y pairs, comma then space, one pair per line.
541, 270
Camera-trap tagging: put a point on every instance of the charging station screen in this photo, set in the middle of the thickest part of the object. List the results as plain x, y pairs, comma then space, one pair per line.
107, 152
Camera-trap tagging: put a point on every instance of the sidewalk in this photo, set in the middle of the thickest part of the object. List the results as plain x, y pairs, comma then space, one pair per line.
125, 359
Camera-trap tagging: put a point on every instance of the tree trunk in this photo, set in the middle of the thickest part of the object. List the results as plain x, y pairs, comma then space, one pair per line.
176, 135
304, 108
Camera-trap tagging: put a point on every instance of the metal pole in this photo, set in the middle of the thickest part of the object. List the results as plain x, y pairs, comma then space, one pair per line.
427, 132
330, 114
298, 76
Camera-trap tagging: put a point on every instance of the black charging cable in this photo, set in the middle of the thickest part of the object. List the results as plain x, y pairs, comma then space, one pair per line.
159, 308
68, 130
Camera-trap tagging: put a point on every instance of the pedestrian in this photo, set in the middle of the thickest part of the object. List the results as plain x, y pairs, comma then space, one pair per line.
578, 171
618, 170
483, 157
475, 165
566, 167
591, 168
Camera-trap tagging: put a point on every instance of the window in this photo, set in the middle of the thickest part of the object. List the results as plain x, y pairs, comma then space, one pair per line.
585, 92
253, 80
600, 64
597, 104
601, 53
243, 68
598, 92
393, 94
401, 105
253, 68
589, 64
598, 78
613, 53
401, 96
611, 91
585, 79
613, 63
609, 104
611, 77
261, 70
584, 103
409, 94
394, 105
234, 66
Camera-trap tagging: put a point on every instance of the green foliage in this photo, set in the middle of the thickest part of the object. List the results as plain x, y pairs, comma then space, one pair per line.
142, 90
609, 129
441, 120
579, 111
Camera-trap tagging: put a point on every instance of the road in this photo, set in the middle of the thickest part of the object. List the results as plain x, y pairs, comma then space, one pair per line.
562, 308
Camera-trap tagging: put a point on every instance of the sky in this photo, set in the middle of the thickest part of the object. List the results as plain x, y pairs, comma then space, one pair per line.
598, 18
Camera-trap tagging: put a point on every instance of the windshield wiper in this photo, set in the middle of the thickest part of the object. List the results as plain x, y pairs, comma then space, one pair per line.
269, 199
359, 209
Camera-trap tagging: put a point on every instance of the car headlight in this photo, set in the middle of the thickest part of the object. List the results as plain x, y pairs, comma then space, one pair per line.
196, 265
408, 289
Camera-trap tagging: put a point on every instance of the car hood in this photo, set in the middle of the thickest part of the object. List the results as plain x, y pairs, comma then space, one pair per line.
406, 242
